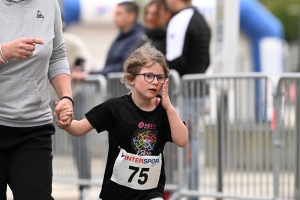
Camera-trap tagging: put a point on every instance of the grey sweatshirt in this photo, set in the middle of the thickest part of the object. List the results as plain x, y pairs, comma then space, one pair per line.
24, 94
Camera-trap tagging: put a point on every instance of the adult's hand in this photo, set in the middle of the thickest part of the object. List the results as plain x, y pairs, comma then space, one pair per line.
62, 86
21, 48
77, 74
61, 105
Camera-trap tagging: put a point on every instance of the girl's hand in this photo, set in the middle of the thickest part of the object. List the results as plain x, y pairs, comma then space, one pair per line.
166, 103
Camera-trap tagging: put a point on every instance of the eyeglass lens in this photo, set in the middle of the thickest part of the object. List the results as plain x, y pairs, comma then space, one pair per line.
149, 77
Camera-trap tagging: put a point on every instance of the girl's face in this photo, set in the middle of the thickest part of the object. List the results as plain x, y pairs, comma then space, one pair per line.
149, 89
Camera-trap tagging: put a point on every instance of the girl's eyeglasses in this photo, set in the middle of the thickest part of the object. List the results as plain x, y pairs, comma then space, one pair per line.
149, 77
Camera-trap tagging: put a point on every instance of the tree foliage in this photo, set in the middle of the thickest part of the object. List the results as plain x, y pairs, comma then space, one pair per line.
287, 11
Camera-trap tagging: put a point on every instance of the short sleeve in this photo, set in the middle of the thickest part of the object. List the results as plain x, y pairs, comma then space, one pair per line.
100, 117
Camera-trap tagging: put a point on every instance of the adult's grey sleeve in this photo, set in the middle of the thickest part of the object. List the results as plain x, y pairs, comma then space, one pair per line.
58, 63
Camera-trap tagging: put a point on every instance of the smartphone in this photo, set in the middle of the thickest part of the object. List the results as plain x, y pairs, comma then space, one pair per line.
80, 62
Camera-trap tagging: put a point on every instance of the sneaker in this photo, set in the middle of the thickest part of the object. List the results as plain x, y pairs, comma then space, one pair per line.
85, 193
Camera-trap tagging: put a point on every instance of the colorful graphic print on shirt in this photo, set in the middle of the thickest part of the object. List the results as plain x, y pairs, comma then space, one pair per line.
144, 139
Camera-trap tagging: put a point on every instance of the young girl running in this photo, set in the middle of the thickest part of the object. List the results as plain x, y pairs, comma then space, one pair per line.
139, 125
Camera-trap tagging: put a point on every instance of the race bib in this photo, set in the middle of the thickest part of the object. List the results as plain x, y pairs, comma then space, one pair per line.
137, 172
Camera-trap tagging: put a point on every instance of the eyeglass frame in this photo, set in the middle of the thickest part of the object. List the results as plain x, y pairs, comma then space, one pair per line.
154, 75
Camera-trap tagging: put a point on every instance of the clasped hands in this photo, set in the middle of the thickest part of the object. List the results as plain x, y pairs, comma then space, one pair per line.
64, 112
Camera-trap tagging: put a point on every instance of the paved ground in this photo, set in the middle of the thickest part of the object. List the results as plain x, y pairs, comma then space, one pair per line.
70, 192
65, 192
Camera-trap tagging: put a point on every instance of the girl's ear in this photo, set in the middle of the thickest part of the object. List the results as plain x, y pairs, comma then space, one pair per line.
130, 79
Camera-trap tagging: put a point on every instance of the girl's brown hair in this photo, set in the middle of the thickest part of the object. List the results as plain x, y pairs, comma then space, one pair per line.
145, 56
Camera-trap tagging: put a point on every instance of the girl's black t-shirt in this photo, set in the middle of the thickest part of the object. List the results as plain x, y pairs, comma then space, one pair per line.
125, 123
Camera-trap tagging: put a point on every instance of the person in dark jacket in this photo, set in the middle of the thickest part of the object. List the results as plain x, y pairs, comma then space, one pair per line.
188, 39
156, 17
130, 32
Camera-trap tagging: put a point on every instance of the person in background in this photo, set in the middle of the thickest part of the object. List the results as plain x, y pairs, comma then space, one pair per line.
156, 17
138, 124
81, 61
130, 31
188, 40
32, 53
79, 57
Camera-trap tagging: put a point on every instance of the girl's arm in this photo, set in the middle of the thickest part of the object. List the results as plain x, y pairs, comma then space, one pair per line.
76, 128
179, 131
79, 128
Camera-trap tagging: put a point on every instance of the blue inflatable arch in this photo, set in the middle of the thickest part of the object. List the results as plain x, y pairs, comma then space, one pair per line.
71, 11
257, 22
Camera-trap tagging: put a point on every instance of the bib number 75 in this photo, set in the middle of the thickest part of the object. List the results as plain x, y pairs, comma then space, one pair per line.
143, 175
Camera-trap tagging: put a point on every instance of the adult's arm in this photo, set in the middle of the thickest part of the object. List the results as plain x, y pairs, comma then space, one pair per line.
62, 86
59, 71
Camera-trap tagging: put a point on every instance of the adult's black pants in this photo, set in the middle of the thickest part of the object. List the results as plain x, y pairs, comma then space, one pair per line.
26, 162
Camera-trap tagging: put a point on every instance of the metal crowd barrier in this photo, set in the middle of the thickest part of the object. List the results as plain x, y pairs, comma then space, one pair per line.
229, 154
243, 137
115, 87
81, 160
287, 137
